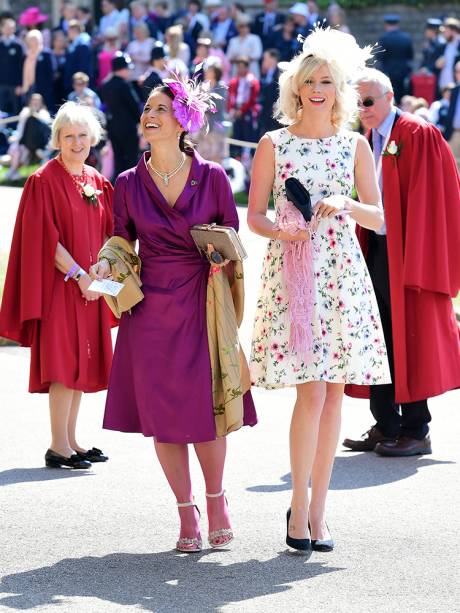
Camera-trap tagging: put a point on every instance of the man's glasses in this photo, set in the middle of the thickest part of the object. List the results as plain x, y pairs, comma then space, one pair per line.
370, 101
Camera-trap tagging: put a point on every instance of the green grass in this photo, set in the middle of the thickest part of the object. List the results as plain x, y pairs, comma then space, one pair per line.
24, 171
241, 199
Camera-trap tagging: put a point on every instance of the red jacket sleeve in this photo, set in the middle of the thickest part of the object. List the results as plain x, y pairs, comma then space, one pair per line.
31, 268
231, 95
432, 234
251, 103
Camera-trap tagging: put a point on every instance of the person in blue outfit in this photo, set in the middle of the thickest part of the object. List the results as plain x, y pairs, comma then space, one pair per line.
397, 55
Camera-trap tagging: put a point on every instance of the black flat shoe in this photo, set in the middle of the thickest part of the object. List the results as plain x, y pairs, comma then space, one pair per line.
323, 545
299, 544
94, 455
55, 460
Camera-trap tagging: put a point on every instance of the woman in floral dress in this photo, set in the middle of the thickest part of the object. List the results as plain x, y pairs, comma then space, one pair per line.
317, 324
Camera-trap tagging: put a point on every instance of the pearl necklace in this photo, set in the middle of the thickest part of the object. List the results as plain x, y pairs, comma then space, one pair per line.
166, 176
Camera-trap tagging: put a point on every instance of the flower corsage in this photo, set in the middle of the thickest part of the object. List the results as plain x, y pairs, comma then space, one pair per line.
393, 149
91, 193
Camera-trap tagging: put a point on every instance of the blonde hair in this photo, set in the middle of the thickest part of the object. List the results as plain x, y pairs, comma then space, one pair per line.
34, 35
174, 38
73, 114
288, 107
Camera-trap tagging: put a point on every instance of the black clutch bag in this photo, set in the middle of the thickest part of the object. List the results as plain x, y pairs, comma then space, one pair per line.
299, 196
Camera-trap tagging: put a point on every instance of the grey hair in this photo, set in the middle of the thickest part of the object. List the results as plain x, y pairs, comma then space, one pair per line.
75, 114
372, 75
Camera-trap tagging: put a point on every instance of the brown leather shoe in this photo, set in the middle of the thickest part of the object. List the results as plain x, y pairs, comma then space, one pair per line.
368, 441
404, 446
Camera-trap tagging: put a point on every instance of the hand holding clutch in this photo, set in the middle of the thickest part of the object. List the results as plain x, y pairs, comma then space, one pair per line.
299, 196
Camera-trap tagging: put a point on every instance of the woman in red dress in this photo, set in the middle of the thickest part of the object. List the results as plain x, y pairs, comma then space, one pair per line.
64, 217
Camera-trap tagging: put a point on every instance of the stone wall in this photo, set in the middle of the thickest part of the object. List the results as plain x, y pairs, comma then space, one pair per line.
367, 24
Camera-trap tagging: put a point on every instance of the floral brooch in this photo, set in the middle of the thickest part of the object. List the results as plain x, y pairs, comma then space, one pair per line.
393, 149
91, 193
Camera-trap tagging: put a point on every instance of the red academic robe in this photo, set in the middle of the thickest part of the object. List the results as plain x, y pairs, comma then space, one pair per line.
422, 212
69, 338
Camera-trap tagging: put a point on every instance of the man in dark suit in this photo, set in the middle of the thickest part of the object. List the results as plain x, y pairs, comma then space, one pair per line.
11, 61
195, 22
79, 55
223, 27
433, 46
396, 59
265, 22
269, 91
450, 52
123, 109
154, 78
452, 129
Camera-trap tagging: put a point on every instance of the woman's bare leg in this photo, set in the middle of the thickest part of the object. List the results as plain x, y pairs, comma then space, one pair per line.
72, 424
174, 461
211, 456
303, 438
60, 401
329, 431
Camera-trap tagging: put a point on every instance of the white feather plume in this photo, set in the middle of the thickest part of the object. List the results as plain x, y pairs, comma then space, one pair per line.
334, 47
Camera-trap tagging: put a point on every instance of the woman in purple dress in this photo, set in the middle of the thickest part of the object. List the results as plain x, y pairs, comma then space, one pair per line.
161, 375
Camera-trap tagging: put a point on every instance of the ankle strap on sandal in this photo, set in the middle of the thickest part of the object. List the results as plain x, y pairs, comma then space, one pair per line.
186, 504
221, 493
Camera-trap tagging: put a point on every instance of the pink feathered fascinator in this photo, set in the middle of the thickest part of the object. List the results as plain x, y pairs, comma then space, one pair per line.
192, 100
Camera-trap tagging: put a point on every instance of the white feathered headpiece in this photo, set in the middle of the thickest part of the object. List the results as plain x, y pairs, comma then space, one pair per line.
334, 47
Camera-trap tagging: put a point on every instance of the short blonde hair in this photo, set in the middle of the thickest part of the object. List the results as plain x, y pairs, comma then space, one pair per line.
73, 113
299, 69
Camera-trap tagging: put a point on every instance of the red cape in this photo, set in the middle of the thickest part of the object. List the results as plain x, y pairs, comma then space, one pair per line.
70, 340
422, 212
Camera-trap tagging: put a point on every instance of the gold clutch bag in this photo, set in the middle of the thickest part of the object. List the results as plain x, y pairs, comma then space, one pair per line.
125, 267
225, 240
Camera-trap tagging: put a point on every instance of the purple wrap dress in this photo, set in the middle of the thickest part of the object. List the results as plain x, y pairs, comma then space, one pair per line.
160, 383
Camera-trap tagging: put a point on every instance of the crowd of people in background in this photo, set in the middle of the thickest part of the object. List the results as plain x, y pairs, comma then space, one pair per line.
112, 65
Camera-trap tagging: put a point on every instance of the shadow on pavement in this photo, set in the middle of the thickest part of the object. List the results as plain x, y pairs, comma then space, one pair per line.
361, 470
165, 582
28, 475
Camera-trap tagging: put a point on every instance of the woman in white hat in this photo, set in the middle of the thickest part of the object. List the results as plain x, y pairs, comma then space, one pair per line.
317, 323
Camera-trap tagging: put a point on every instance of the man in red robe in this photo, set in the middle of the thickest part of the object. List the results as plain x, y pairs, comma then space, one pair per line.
414, 264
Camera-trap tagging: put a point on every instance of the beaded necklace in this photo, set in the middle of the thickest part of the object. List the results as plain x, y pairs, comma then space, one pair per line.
78, 180
84, 188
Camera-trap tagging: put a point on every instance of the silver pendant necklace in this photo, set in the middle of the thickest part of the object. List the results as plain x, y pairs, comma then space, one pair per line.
166, 176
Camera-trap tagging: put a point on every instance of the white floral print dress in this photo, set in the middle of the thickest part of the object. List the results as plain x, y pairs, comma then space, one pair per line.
348, 341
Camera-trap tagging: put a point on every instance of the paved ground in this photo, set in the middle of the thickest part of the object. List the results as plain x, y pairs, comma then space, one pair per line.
102, 541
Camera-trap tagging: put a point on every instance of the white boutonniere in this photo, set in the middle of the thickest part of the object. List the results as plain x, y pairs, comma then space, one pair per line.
91, 193
393, 149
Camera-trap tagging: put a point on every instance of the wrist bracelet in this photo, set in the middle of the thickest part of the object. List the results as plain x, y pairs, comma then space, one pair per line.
71, 272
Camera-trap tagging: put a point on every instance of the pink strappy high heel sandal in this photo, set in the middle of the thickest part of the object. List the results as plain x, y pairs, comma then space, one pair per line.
185, 544
222, 537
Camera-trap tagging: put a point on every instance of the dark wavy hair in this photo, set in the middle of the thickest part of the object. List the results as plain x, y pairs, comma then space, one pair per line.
185, 145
